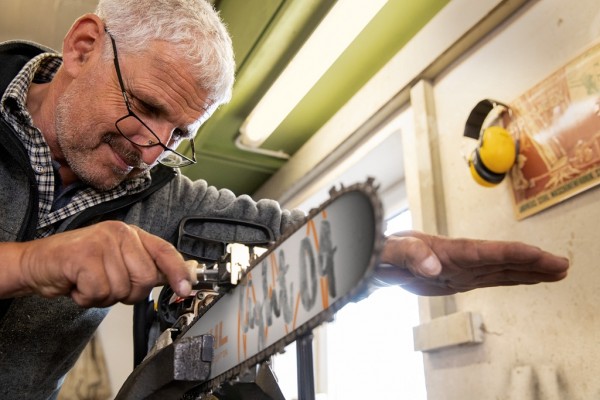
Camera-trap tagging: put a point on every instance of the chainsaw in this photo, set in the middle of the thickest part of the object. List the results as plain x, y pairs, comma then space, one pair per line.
257, 297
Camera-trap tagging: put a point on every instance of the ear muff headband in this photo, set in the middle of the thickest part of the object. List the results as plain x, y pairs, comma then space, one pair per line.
497, 150
478, 115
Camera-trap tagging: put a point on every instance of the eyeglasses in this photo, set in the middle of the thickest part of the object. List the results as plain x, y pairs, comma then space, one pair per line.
132, 128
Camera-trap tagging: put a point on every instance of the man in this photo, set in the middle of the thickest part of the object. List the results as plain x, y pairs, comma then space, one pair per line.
90, 203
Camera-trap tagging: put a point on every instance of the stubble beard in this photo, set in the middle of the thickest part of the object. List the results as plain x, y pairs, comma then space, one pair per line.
78, 146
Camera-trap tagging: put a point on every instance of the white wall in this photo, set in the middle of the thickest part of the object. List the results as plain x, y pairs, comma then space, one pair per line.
44, 22
557, 324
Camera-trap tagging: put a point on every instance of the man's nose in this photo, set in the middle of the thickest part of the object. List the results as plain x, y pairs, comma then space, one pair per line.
162, 131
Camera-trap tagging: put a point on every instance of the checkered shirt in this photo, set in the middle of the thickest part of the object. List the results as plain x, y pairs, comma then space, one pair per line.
42, 69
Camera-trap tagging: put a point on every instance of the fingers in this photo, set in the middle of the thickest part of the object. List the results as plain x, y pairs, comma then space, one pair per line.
118, 270
134, 277
103, 264
511, 255
521, 271
179, 274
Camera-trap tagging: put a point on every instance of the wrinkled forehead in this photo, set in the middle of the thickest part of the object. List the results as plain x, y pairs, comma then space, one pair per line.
168, 58
178, 79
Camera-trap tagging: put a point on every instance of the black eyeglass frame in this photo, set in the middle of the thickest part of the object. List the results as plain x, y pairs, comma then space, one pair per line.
185, 161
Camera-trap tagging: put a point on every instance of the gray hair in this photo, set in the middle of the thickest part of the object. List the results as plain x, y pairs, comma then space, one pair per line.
193, 26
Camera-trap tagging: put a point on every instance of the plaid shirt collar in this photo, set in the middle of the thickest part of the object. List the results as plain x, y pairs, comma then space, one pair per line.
42, 69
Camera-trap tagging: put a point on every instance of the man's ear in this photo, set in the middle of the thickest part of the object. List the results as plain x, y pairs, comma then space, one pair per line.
83, 42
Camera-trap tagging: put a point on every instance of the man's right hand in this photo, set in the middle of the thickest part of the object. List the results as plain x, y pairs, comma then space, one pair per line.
97, 266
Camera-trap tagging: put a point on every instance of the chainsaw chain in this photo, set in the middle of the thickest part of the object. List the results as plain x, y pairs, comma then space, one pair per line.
368, 188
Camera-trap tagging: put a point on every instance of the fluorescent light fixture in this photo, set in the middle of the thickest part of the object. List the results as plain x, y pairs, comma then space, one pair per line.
343, 23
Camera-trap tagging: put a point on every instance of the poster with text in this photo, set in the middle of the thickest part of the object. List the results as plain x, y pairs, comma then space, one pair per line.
558, 125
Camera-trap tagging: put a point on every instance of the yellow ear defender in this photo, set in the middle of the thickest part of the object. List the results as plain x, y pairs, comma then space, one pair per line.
497, 149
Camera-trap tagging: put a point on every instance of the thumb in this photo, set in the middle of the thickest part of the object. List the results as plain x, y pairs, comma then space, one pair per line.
412, 253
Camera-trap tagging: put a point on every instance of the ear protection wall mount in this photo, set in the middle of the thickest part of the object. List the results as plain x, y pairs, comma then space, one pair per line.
496, 151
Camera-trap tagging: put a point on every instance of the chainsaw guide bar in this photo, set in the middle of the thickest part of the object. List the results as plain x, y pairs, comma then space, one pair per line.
297, 284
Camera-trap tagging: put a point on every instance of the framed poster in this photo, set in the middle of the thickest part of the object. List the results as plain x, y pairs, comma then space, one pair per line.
558, 126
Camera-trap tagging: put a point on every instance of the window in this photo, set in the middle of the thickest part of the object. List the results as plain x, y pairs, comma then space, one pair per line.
367, 351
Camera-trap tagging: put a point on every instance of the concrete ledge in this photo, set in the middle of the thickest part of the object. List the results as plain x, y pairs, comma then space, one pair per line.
456, 329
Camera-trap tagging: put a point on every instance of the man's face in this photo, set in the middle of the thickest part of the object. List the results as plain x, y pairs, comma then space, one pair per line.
162, 92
